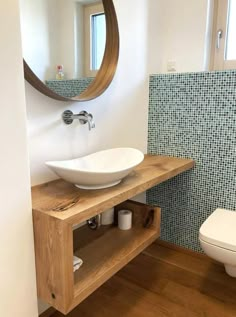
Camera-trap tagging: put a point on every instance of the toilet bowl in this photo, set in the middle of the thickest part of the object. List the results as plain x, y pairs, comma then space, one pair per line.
217, 237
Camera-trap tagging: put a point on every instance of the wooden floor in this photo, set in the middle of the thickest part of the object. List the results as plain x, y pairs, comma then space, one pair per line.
162, 283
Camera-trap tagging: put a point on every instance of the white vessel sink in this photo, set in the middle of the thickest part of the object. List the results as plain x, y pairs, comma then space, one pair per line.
98, 170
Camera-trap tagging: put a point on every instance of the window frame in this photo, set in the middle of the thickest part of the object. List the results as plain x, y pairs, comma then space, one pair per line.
220, 19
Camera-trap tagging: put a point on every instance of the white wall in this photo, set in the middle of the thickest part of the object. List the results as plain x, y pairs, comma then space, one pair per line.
17, 272
79, 40
35, 36
177, 32
66, 22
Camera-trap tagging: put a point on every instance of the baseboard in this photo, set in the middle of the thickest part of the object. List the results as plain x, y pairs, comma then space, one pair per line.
175, 247
48, 313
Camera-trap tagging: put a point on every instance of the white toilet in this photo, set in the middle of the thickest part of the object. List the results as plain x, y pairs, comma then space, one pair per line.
217, 237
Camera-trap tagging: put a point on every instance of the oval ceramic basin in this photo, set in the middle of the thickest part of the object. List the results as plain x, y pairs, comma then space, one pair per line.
98, 170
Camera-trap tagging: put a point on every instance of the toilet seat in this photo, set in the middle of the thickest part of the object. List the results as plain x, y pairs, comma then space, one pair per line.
220, 229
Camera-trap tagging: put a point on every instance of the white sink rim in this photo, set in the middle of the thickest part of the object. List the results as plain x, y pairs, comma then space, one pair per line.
104, 176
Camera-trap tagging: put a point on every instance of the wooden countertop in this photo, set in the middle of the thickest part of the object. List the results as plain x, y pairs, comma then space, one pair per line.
66, 202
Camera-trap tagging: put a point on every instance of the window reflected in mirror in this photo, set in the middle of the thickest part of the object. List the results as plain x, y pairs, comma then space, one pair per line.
98, 35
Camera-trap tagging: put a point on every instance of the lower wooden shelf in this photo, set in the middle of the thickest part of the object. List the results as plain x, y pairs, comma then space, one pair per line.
107, 254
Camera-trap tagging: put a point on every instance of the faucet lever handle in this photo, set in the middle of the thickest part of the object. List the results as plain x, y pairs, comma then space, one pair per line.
67, 117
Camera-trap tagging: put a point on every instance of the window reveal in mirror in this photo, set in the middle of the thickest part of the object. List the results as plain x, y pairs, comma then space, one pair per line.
94, 38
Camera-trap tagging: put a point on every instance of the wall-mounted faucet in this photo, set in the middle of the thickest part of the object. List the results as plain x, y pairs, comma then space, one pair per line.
84, 117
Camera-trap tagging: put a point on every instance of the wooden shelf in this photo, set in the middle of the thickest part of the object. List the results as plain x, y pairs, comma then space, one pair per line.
106, 251
58, 205
66, 202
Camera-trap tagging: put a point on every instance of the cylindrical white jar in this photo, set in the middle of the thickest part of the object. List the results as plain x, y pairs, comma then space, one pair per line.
124, 219
107, 217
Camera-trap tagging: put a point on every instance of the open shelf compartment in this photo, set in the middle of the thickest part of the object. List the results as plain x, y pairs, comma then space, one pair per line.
108, 249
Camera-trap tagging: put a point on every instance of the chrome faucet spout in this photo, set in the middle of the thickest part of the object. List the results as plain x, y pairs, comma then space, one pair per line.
84, 117
91, 124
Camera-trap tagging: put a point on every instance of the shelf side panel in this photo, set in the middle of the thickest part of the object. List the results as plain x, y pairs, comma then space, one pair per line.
54, 258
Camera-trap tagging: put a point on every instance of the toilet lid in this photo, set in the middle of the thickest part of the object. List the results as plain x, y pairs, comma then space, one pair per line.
220, 229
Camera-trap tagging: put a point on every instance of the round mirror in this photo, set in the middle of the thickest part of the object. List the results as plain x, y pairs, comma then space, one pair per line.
70, 47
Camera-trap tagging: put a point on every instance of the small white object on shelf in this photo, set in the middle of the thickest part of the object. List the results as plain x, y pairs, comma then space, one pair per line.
125, 219
77, 262
108, 217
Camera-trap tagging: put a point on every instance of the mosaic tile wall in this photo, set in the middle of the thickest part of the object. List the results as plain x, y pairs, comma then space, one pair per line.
69, 87
193, 115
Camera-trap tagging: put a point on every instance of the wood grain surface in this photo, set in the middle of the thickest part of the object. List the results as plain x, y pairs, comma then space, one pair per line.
66, 202
54, 257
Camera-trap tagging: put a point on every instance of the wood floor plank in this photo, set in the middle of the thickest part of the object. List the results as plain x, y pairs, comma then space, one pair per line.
196, 301
156, 304
202, 266
150, 273
119, 297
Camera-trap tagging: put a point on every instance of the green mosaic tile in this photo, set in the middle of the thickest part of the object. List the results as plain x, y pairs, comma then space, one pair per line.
69, 87
193, 115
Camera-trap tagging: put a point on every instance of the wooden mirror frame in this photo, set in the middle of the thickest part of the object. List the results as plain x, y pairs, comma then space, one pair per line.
106, 72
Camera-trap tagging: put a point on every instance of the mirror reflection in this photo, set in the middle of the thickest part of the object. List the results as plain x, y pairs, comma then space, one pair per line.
63, 42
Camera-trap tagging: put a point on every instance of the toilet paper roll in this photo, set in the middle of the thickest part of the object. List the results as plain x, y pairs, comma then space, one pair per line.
107, 217
124, 219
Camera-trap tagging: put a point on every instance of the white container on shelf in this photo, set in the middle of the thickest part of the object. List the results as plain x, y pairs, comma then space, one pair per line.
107, 217
124, 219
